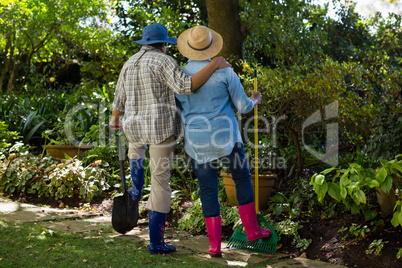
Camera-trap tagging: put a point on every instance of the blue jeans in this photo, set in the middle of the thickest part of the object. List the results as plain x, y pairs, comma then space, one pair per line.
207, 175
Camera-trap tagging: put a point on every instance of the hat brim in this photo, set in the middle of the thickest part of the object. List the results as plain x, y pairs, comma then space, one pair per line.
190, 53
170, 40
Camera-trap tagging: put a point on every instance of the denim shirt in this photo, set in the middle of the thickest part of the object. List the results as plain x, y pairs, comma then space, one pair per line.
209, 121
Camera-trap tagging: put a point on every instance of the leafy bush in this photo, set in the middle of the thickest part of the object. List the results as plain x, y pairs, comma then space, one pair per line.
19, 172
30, 174
375, 247
21, 115
6, 139
349, 186
291, 228
292, 96
386, 139
299, 202
194, 222
355, 231
352, 185
108, 154
389, 176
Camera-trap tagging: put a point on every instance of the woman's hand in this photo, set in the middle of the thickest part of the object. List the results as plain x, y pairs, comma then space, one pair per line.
256, 97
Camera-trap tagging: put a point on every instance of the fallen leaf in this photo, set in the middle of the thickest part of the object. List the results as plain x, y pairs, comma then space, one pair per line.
303, 255
85, 260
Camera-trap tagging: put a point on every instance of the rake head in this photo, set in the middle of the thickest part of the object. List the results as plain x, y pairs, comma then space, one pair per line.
264, 245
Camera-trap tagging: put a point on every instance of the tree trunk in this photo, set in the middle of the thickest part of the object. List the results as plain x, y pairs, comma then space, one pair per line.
224, 18
296, 142
27, 73
4, 72
11, 80
6, 61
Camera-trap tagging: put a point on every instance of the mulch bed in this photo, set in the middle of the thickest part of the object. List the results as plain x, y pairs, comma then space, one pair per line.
329, 245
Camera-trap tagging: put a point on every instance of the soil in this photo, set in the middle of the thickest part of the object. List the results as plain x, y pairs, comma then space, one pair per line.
328, 244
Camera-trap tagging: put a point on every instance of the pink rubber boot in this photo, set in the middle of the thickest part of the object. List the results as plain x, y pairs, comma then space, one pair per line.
214, 227
248, 217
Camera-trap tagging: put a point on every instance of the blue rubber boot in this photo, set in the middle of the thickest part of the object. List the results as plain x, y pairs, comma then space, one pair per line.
137, 178
156, 234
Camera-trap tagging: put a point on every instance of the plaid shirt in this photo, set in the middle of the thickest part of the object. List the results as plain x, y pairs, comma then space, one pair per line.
145, 93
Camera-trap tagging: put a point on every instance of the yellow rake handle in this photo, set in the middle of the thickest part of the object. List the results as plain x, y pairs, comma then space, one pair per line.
257, 199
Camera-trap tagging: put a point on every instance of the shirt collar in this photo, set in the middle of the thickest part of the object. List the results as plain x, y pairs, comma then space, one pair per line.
148, 47
198, 60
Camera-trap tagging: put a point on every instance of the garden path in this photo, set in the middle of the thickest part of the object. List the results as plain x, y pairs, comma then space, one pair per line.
81, 221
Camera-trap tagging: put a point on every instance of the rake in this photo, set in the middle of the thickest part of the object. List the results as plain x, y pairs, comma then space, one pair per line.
238, 240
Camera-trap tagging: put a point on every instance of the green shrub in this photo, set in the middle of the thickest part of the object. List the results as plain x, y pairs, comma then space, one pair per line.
299, 202
194, 222
30, 174
19, 172
7, 137
291, 96
291, 228
349, 186
352, 185
375, 247
29, 115
386, 139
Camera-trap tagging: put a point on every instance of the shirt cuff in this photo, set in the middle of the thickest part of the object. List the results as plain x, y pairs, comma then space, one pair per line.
117, 107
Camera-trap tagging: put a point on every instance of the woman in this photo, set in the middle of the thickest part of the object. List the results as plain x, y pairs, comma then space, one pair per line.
212, 133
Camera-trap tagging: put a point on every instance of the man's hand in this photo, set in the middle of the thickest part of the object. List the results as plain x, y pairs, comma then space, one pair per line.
221, 62
256, 97
199, 78
115, 124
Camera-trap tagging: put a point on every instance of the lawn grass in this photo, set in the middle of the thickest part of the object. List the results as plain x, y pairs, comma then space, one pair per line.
30, 245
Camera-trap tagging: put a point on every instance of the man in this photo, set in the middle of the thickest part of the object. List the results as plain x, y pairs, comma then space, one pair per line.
145, 93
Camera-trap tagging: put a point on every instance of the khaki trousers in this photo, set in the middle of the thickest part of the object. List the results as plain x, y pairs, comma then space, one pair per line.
160, 163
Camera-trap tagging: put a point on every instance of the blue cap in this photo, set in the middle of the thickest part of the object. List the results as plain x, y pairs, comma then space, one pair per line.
156, 33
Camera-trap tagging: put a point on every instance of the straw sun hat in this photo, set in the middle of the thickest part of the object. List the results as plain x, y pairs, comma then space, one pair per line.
199, 43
